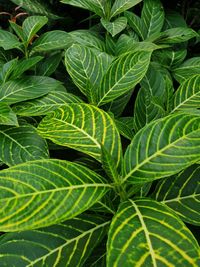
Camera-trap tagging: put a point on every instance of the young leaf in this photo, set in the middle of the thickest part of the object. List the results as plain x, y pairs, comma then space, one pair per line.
116, 26
45, 104
187, 95
21, 144
29, 87
50, 191
163, 148
147, 233
182, 194
51, 40
187, 69
7, 70
109, 165
173, 19
147, 108
52, 245
24, 65
124, 73
7, 115
9, 40
152, 17
136, 23
120, 6
82, 127
32, 25
96, 6
48, 65
18, 30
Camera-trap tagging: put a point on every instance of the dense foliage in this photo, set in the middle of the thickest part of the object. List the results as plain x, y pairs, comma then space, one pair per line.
99, 133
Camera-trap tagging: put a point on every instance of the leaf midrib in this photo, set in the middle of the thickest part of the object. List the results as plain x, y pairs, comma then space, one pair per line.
70, 241
155, 154
57, 190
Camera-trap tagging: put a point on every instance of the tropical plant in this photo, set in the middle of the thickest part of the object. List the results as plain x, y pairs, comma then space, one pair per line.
99, 136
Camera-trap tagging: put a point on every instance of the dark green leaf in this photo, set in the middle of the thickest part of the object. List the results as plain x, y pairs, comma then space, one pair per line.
182, 194
7, 116
163, 148
147, 233
50, 191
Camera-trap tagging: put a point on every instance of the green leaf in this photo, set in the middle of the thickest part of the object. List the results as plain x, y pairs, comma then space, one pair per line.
163, 148
82, 127
147, 233
152, 17
126, 44
7, 116
85, 69
124, 129
187, 69
176, 35
24, 65
182, 194
136, 23
187, 95
45, 192
36, 7
88, 38
32, 25
96, 6
7, 69
21, 144
173, 19
52, 40
29, 87
9, 40
116, 26
147, 108
48, 65
120, 6
45, 104
54, 244
170, 57
124, 73
109, 165
18, 30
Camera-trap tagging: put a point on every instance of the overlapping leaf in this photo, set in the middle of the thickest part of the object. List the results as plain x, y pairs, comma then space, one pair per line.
187, 95
124, 73
147, 233
163, 148
45, 192
147, 108
20, 144
136, 23
152, 17
55, 244
52, 40
84, 128
45, 104
116, 26
85, 69
97, 6
36, 7
9, 40
182, 194
187, 69
32, 25
120, 6
7, 115
29, 87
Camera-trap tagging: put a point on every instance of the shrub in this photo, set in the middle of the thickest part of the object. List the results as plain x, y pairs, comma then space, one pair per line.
99, 135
